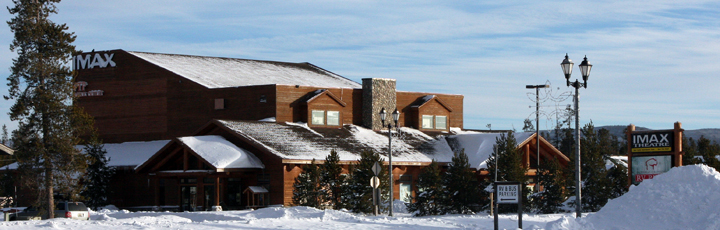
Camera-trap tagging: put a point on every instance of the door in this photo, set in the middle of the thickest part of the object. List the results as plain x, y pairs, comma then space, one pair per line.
188, 198
209, 197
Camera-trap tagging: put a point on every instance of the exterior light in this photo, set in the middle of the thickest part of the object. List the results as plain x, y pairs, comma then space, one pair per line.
396, 116
567, 65
383, 114
585, 67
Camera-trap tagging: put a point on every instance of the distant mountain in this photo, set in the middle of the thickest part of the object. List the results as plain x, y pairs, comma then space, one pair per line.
619, 131
712, 134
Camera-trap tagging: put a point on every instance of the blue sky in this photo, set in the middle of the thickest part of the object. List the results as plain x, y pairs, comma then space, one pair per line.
655, 63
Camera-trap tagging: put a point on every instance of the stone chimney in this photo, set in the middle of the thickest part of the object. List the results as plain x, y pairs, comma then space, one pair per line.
378, 93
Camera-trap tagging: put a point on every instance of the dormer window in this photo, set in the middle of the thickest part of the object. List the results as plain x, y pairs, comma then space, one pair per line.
318, 117
322, 117
434, 122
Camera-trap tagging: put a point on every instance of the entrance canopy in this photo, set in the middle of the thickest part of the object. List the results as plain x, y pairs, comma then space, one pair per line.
211, 152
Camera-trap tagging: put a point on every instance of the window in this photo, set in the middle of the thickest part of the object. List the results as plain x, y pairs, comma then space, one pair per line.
219, 103
427, 121
406, 188
333, 118
318, 117
440, 122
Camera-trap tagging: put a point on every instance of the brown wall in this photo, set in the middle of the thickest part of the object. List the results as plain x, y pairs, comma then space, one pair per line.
133, 105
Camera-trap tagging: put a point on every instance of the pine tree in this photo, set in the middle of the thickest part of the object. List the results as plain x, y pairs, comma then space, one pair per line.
357, 193
42, 87
430, 199
462, 190
96, 183
307, 186
528, 126
332, 180
690, 149
5, 139
508, 160
554, 180
709, 151
596, 185
618, 176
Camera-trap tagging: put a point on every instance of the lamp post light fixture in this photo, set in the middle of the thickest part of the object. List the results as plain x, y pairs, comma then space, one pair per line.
395, 117
537, 130
585, 67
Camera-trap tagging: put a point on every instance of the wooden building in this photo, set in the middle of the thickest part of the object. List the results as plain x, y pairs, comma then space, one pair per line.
233, 133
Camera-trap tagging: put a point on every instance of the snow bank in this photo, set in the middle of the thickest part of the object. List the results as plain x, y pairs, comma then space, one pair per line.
682, 198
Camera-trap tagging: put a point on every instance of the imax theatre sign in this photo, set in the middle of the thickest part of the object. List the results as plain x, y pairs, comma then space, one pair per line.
646, 142
93, 60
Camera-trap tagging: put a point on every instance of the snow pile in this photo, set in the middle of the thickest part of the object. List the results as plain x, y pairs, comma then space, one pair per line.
682, 198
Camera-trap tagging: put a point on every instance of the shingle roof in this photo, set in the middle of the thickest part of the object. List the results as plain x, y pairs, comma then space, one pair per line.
294, 141
215, 72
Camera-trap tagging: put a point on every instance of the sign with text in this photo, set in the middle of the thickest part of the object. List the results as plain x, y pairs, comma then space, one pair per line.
93, 60
647, 167
508, 193
653, 142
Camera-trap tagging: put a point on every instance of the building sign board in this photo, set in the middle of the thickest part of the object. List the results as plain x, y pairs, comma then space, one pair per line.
508, 193
80, 90
653, 142
647, 167
92, 60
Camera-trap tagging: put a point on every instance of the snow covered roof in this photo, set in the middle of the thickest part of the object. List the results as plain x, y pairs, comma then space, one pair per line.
256, 189
479, 146
5, 150
293, 141
220, 153
132, 153
215, 72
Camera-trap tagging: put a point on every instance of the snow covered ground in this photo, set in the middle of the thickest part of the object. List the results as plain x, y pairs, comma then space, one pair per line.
683, 198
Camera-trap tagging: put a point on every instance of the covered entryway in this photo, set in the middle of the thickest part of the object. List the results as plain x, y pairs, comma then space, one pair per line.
202, 173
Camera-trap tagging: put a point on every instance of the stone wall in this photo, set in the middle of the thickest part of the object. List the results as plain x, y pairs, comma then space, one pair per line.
378, 93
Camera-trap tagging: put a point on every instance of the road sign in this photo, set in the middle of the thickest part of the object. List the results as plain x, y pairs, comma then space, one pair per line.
508, 193
374, 182
376, 168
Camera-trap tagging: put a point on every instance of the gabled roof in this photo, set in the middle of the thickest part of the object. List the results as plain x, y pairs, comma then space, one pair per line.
215, 72
317, 93
420, 102
220, 153
131, 153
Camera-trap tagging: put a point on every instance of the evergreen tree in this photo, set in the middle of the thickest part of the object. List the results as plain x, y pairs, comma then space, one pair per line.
5, 139
96, 183
462, 190
690, 149
307, 186
430, 199
709, 151
357, 193
528, 126
596, 185
331, 180
42, 87
508, 160
554, 180
618, 176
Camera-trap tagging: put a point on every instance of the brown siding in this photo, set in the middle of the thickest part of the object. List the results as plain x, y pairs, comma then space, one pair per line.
133, 104
411, 117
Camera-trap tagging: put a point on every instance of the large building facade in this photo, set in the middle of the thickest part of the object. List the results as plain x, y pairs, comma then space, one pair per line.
202, 132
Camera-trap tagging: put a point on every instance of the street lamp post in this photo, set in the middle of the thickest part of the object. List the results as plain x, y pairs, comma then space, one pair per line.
395, 117
585, 67
537, 130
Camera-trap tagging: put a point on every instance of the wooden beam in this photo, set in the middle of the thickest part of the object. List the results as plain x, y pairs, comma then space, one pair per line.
185, 159
164, 160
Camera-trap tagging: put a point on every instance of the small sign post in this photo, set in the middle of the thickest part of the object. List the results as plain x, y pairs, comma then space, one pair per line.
375, 184
508, 192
